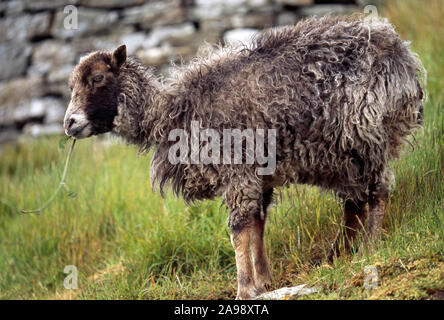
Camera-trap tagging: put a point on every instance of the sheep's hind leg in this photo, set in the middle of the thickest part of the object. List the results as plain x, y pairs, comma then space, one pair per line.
376, 215
262, 275
355, 213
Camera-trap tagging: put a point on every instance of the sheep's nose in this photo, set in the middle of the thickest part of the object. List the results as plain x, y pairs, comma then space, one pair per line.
69, 122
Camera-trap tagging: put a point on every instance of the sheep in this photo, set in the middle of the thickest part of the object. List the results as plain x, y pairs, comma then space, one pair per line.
341, 94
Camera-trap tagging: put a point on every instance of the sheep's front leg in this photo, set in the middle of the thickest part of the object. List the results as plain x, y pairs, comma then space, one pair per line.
240, 239
246, 237
254, 275
262, 275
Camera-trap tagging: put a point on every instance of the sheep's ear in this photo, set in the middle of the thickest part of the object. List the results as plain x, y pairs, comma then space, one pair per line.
119, 56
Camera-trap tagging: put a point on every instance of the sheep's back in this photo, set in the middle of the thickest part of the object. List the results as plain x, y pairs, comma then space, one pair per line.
336, 89
330, 87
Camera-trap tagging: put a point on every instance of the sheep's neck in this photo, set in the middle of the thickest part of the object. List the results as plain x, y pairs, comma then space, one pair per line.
144, 107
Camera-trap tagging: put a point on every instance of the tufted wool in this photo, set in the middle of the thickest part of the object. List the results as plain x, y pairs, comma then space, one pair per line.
343, 93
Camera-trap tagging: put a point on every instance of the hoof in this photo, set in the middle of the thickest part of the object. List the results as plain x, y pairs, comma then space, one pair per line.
254, 293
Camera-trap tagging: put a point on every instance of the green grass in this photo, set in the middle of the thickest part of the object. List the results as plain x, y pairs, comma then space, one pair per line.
129, 243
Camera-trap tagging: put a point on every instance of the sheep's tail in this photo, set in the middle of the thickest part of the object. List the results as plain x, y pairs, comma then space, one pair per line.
407, 94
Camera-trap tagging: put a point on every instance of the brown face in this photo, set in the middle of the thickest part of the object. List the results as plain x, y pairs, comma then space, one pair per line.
95, 89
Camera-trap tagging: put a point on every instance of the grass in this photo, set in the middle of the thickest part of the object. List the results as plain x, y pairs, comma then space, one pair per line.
128, 243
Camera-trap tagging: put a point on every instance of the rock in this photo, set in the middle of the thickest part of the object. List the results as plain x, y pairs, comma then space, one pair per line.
203, 12
376, 3
60, 74
18, 89
216, 9
25, 27
54, 109
155, 56
12, 8
323, 9
239, 36
252, 20
287, 293
15, 56
60, 88
295, 2
90, 21
6, 117
287, 18
258, 4
258, 20
48, 4
48, 110
133, 41
158, 56
15, 94
57, 71
33, 109
51, 55
37, 130
215, 26
155, 13
85, 45
174, 35
108, 4
230, 5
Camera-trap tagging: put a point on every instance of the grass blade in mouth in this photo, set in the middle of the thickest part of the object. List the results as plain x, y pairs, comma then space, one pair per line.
62, 184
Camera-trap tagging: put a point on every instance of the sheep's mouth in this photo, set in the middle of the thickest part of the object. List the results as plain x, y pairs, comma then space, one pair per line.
80, 132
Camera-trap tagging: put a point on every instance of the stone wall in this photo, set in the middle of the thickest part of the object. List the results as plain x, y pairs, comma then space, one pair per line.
38, 49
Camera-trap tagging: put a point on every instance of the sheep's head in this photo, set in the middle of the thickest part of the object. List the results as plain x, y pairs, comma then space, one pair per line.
95, 88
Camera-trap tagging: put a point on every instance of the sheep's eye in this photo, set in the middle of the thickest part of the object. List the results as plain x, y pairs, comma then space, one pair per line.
98, 78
